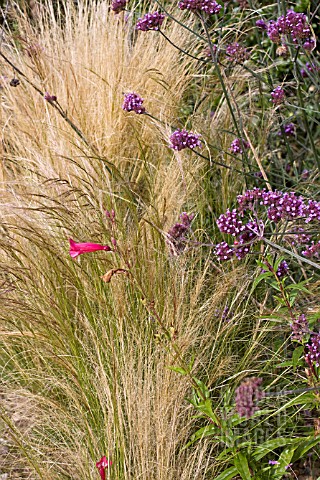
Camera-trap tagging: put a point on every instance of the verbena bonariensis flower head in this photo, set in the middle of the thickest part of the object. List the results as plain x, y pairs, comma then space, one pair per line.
236, 52
312, 211
177, 234
181, 139
300, 328
133, 103
118, 5
247, 395
230, 223
283, 269
208, 6
80, 248
223, 251
312, 356
238, 145
312, 250
102, 465
151, 21
293, 24
289, 129
277, 96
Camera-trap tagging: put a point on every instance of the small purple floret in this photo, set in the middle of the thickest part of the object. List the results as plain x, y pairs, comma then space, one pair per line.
261, 24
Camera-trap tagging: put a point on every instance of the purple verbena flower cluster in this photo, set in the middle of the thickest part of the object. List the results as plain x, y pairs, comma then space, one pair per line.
133, 103
237, 53
279, 206
181, 139
300, 328
247, 395
207, 6
230, 223
312, 211
289, 129
238, 145
293, 24
118, 5
177, 234
310, 67
223, 251
312, 250
283, 269
277, 96
312, 357
151, 21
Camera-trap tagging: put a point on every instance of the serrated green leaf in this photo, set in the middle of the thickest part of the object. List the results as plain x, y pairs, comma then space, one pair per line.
241, 464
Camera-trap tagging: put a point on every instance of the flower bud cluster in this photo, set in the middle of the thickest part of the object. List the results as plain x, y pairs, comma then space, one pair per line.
151, 21
118, 5
280, 206
133, 103
181, 139
237, 53
177, 234
313, 355
300, 328
277, 96
283, 269
208, 6
247, 395
293, 24
238, 145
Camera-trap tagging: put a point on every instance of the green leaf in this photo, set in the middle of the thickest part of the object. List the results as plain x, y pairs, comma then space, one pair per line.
269, 446
259, 279
227, 474
241, 464
296, 355
180, 370
304, 447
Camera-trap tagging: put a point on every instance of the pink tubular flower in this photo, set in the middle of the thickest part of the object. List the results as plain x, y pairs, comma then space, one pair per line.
102, 465
79, 248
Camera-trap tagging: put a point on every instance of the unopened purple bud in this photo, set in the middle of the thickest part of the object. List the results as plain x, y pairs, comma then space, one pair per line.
49, 98
261, 24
